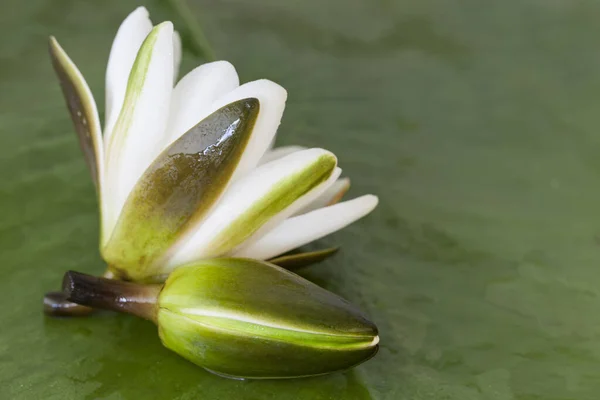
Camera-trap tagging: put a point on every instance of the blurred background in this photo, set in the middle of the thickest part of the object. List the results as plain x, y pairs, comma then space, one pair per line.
476, 122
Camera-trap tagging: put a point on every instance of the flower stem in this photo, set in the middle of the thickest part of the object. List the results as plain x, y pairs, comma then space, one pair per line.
57, 305
195, 30
110, 294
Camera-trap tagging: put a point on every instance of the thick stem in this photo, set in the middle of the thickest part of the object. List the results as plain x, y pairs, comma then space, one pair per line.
57, 305
109, 294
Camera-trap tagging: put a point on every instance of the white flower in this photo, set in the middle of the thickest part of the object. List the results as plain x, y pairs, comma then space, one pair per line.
186, 172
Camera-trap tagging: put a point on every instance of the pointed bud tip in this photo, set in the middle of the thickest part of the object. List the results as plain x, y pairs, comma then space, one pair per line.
375, 341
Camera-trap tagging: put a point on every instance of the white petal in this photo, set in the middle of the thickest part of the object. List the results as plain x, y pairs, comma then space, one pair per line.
176, 55
253, 204
139, 131
279, 152
127, 42
196, 92
272, 99
299, 205
272, 143
298, 231
332, 195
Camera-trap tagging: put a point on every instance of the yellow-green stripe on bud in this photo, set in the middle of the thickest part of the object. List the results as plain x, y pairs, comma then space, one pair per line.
251, 319
242, 318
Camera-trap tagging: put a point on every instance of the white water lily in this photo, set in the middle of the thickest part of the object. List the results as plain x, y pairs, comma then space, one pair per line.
186, 172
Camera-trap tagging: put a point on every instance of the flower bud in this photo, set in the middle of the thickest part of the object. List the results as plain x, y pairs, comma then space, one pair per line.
251, 319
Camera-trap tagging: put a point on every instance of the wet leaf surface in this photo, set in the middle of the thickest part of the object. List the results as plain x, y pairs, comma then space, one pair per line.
476, 124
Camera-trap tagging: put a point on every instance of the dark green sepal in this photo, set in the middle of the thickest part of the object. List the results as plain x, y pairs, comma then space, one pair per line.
178, 189
295, 261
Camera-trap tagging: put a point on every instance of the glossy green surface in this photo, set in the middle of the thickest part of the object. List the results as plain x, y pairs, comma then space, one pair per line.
477, 124
245, 318
177, 190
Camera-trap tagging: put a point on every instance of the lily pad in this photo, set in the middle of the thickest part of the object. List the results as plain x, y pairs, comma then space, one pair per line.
476, 124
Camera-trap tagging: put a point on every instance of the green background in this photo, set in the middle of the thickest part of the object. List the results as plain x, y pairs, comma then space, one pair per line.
476, 122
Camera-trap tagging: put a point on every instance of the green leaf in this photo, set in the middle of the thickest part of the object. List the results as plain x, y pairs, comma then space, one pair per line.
178, 189
476, 124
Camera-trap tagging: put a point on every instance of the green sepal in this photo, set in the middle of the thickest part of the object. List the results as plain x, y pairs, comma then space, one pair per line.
81, 105
251, 319
296, 261
178, 189
282, 194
